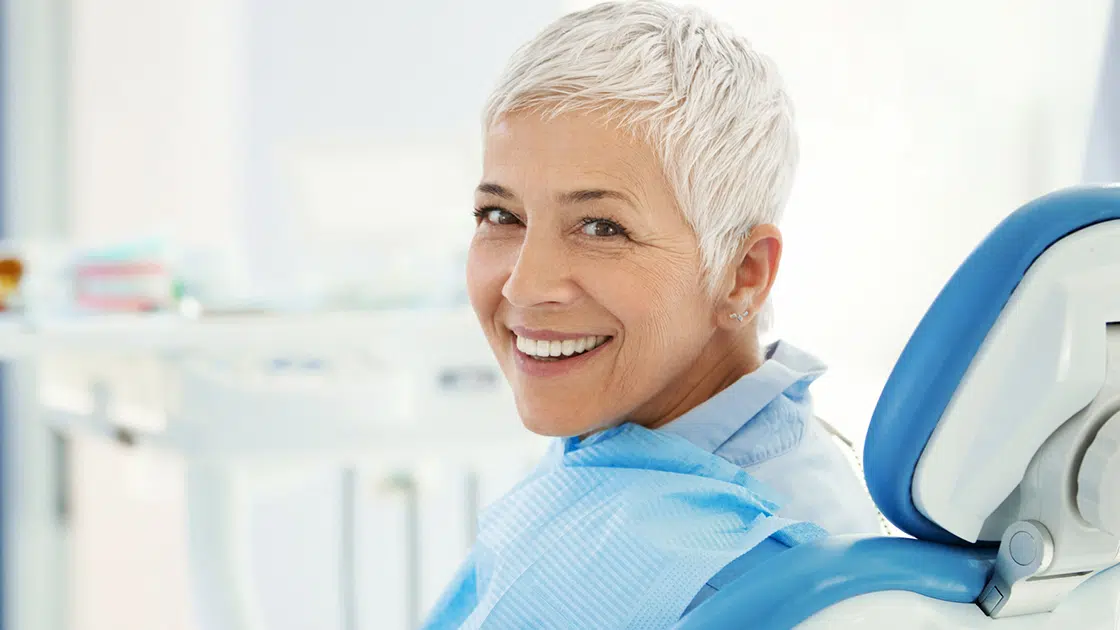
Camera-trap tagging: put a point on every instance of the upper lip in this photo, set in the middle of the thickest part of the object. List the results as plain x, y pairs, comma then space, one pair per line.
550, 335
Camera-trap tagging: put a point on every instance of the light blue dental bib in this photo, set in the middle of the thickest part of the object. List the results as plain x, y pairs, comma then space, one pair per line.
620, 530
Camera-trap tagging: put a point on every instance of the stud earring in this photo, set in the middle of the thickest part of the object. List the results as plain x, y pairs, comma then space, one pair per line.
739, 316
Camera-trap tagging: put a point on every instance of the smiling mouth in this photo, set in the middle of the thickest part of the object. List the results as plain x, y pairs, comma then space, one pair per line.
542, 350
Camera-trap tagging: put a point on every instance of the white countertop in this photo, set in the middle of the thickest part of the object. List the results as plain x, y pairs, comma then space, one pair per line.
166, 333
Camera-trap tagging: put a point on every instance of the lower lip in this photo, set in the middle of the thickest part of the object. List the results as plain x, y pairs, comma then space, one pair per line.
536, 367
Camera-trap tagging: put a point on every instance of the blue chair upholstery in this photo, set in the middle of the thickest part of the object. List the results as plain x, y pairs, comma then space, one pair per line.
789, 588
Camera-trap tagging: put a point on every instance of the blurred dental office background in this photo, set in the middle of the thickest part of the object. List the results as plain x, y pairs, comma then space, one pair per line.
241, 384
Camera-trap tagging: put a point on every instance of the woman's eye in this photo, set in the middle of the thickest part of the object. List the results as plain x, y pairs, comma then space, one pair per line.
497, 216
602, 228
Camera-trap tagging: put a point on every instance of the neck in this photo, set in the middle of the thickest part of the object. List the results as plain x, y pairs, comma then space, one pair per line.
729, 356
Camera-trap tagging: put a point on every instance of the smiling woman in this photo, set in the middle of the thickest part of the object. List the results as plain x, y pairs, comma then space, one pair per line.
580, 236
637, 160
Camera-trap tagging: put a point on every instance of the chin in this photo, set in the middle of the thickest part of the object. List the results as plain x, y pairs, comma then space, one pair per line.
552, 425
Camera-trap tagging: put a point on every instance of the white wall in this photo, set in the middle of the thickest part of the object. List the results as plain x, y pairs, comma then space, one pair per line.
1103, 156
155, 102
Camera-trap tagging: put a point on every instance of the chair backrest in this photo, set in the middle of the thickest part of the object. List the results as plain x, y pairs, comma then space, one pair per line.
996, 441
998, 421
1013, 346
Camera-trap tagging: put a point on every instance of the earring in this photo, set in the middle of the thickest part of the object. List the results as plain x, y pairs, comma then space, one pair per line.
739, 316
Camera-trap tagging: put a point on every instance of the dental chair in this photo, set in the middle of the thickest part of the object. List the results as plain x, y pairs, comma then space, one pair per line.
995, 445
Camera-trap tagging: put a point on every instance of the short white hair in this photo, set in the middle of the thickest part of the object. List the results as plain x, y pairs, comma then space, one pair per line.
715, 109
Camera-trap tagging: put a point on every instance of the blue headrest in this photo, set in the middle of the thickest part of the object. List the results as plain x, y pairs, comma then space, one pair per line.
942, 347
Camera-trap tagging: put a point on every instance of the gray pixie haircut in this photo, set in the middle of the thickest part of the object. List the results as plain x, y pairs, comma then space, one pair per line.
714, 109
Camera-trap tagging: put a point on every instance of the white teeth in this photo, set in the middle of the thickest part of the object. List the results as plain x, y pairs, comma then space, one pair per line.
567, 348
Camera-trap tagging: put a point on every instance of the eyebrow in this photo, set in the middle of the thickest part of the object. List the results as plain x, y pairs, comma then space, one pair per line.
572, 197
496, 190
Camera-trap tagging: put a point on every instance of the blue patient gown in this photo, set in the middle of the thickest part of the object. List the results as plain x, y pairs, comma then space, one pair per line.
619, 530
765, 424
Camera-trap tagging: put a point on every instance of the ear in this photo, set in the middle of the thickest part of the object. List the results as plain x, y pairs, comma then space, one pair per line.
748, 281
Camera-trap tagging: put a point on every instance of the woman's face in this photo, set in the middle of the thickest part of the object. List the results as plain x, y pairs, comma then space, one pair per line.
587, 279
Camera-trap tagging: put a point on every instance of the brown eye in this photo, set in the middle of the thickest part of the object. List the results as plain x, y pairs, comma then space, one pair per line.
602, 228
497, 216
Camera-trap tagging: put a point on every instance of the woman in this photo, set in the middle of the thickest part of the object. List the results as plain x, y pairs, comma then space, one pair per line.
637, 158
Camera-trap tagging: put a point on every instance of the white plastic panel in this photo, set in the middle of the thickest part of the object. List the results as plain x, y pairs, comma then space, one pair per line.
1042, 362
1098, 479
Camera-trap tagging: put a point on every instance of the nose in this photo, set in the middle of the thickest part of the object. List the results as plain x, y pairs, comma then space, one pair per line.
541, 275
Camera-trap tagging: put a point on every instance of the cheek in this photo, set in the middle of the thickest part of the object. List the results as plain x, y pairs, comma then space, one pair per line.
664, 289
481, 277
658, 301
488, 267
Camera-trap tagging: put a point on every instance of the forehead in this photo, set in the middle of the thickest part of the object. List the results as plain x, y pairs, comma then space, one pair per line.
526, 148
